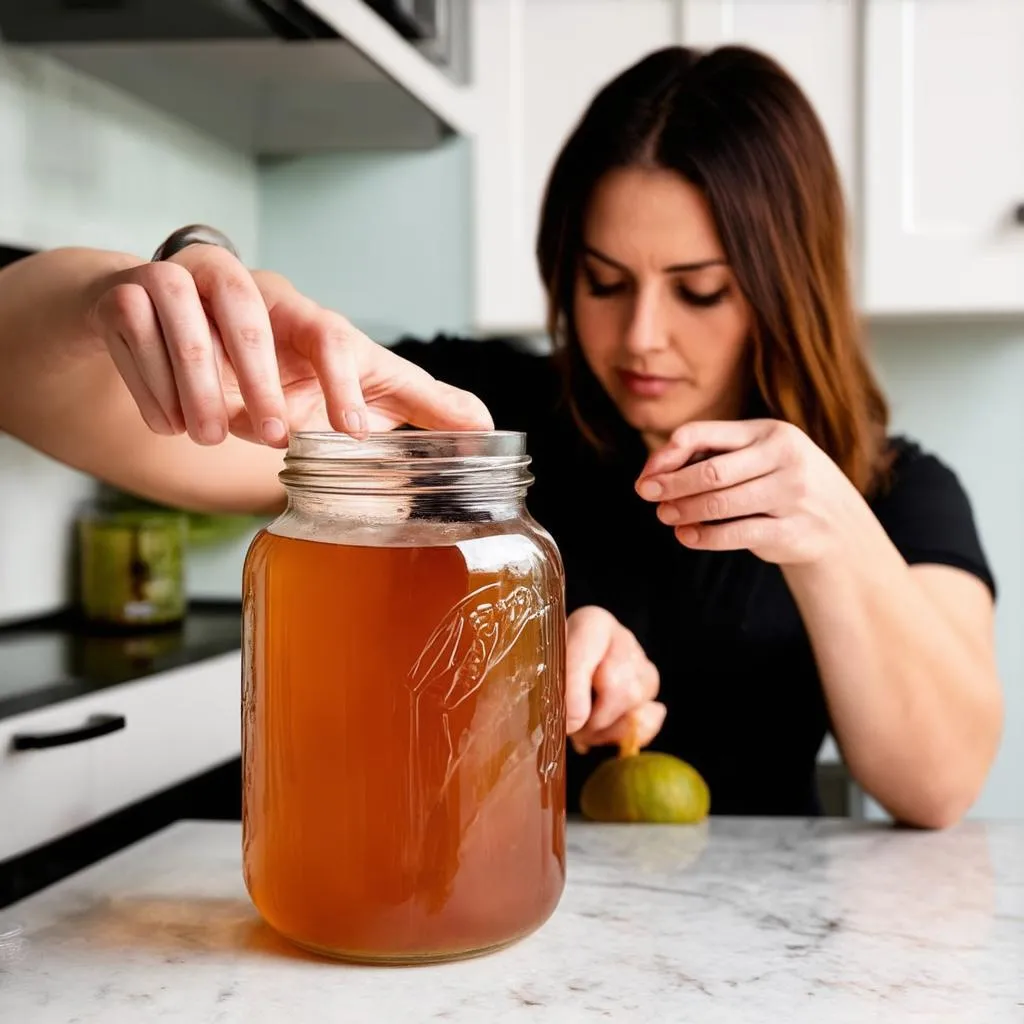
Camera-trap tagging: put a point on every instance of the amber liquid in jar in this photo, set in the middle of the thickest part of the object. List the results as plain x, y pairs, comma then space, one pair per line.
403, 744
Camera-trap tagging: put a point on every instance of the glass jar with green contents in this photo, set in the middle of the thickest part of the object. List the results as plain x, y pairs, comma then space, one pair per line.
131, 566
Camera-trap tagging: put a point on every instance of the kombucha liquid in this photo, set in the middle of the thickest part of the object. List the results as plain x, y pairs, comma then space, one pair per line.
403, 744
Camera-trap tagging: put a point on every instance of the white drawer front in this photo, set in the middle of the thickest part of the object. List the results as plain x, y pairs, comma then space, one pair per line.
177, 724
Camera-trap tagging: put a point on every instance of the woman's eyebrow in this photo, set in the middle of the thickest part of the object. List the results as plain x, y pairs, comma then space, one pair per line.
676, 268
719, 261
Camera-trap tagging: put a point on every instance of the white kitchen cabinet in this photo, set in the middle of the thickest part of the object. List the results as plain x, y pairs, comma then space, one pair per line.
816, 41
943, 156
537, 63
177, 724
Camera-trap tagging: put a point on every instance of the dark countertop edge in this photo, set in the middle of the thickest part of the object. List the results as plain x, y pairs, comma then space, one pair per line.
68, 626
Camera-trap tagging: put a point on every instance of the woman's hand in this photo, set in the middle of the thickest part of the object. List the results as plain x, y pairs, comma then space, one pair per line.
208, 348
610, 684
768, 488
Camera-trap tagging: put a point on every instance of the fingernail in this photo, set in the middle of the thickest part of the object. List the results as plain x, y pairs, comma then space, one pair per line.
688, 534
160, 424
274, 431
668, 514
354, 421
651, 490
578, 745
212, 433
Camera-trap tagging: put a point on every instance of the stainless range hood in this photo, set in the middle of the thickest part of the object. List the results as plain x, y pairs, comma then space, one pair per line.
268, 77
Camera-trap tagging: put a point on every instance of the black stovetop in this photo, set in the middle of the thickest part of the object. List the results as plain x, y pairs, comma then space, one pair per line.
49, 660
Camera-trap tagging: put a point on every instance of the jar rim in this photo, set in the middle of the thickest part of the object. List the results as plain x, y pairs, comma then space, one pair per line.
482, 464
390, 445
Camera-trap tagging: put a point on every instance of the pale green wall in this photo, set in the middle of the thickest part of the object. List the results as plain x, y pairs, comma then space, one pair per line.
957, 388
386, 238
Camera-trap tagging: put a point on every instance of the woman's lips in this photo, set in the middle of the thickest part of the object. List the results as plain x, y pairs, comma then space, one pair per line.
645, 385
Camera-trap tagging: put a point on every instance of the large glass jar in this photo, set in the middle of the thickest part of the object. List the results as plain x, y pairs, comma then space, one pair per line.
403, 704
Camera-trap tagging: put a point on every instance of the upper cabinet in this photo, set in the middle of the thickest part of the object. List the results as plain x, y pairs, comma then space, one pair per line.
537, 64
943, 158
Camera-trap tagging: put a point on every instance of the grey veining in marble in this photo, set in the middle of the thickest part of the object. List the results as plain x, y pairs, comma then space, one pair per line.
742, 920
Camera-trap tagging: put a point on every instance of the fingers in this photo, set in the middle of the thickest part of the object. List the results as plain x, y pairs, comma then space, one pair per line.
189, 344
136, 344
647, 720
419, 399
239, 312
716, 473
753, 498
752, 533
693, 439
331, 352
140, 391
357, 374
590, 632
608, 679
205, 320
624, 680
182, 321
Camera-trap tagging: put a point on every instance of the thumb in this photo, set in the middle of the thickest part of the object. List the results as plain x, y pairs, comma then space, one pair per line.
590, 633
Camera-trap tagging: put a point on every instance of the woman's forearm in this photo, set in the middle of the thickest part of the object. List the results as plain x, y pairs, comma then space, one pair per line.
61, 393
915, 701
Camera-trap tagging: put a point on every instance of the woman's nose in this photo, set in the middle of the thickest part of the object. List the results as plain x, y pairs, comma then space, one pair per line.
647, 329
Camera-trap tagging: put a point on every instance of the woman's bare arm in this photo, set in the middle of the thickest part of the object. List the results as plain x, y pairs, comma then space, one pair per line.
161, 378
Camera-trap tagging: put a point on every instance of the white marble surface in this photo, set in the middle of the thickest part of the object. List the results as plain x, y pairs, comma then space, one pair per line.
747, 920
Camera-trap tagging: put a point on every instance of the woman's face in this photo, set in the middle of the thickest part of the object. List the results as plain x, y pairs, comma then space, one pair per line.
660, 319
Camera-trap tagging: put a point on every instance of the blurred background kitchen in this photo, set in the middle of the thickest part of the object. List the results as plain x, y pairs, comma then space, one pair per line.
389, 156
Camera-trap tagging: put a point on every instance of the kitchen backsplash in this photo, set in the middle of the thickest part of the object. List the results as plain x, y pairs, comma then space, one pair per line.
82, 164
38, 500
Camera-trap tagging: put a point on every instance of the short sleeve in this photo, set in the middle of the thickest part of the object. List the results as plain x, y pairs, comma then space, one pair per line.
928, 516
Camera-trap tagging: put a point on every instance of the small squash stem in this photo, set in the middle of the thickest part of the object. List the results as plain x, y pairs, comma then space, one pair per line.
629, 745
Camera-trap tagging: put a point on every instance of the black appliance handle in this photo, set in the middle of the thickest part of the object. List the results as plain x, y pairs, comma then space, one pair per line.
95, 725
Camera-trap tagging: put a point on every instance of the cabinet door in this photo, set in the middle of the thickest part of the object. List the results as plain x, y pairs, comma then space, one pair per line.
537, 63
944, 156
814, 40
177, 724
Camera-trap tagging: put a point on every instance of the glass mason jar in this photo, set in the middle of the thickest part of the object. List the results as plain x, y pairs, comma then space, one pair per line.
131, 567
403, 700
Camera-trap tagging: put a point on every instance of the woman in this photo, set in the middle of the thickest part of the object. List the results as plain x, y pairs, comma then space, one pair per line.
709, 442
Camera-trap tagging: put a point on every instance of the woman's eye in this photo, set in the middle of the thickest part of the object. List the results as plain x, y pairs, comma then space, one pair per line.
701, 299
601, 289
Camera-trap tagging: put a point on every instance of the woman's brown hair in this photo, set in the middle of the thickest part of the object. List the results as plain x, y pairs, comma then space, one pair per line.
737, 127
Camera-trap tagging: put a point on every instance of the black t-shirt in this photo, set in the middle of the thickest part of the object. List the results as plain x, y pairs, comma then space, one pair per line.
745, 703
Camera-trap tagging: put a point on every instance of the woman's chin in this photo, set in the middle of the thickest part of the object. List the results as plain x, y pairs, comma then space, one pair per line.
659, 417
652, 417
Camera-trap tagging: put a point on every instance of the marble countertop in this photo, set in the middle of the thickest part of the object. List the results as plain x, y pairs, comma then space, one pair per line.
740, 920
